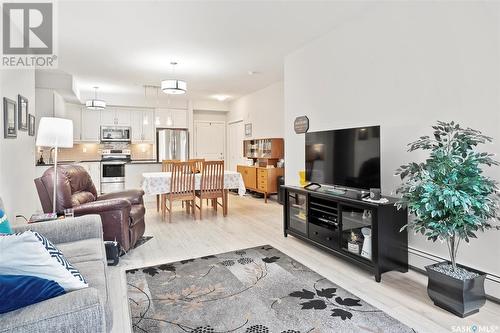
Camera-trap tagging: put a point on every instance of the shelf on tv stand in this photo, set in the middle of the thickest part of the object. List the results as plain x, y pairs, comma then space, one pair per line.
330, 219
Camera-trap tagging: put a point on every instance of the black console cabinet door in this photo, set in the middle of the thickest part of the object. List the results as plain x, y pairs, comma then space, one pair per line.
296, 212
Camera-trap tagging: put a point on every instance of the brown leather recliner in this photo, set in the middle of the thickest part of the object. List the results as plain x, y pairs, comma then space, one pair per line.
122, 213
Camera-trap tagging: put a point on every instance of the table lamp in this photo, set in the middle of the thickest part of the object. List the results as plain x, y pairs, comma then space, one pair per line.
55, 133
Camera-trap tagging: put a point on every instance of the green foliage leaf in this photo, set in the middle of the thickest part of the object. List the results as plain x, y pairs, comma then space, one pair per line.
448, 194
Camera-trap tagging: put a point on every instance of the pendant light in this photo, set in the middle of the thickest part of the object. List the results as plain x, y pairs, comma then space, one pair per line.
95, 104
173, 86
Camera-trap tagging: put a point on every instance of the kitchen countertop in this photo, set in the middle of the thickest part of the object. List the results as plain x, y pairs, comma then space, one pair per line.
97, 161
143, 162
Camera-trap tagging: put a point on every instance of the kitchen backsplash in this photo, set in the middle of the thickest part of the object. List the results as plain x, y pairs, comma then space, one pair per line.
142, 151
92, 151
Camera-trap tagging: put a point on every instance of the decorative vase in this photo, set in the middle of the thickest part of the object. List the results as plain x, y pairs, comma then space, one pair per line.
460, 297
367, 243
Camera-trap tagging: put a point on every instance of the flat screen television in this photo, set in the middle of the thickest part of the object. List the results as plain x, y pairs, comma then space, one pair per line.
346, 157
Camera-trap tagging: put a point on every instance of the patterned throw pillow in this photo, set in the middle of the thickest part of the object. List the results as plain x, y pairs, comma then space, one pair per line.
29, 253
4, 223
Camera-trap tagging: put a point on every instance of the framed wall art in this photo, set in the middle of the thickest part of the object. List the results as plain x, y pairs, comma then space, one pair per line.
248, 129
9, 118
22, 106
31, 125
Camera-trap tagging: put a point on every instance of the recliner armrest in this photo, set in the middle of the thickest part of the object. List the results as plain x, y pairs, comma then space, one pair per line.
134, 196
101, 206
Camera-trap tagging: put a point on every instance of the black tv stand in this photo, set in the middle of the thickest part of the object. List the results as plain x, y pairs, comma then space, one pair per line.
342, 224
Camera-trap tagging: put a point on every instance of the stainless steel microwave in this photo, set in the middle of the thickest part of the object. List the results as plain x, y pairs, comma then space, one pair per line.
115, 134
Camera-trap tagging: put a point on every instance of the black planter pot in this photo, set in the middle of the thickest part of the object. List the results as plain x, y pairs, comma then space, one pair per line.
460, 297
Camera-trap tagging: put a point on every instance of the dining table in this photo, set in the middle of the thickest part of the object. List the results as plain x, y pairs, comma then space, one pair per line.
158, 183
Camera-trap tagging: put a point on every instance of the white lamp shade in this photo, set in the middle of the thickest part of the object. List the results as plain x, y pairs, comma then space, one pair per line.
174, 87
55, 132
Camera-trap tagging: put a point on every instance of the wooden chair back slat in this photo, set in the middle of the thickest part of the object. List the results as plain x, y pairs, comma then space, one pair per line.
212, 178
198, 164
182, 181
166, 165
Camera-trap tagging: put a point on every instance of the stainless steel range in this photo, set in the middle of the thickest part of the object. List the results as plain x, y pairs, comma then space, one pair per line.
113, 169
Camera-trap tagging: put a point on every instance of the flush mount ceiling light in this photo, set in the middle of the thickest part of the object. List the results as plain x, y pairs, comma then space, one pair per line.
95, 104
173, 86
221, 98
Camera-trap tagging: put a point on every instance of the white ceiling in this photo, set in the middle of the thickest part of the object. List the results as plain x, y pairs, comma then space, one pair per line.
122, 45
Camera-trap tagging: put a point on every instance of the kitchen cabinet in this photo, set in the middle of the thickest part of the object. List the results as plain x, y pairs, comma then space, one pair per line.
90, 126
171, 118
49, 103
142, 125
179, 118
133, 176
148, 127
74, 113
115, 116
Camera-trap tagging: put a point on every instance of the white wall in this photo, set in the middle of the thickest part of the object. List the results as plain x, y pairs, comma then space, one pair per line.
209, 116
403, 66
17, 156
263, 108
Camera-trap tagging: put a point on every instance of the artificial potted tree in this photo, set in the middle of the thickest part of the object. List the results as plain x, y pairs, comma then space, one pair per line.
450, 200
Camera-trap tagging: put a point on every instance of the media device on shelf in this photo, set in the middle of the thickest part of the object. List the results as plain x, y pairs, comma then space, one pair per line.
344, 158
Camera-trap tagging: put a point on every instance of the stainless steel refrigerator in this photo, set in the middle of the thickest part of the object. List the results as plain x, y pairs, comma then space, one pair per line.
172, 144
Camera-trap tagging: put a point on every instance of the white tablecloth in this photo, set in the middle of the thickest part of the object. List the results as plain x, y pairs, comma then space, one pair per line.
159, 182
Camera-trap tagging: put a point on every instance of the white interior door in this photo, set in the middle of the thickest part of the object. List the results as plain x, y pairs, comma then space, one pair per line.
209, 140
235, 144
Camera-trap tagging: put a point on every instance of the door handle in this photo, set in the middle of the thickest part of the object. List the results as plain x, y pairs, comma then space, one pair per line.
328, 238
316, 233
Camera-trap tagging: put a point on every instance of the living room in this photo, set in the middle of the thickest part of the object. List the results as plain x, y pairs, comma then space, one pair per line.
261, 88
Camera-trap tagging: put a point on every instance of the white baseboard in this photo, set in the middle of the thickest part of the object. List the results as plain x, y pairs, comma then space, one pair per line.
418, 259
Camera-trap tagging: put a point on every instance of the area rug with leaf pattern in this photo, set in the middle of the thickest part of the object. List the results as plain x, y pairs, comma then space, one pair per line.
257, 290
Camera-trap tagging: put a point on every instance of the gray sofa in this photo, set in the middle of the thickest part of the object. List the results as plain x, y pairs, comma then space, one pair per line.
85, 310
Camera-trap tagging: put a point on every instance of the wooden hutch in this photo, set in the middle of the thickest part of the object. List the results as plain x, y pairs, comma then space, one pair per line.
262, 177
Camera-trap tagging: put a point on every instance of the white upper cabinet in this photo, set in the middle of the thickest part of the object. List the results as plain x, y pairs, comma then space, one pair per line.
74, 113
123, 117
107, 117
171, 118
148, 127
179, 117
142, 124
90, 125
115, 117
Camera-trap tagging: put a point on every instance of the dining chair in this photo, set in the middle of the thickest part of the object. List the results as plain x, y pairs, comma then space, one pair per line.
181, 189
166, 166
198, 164
212, 185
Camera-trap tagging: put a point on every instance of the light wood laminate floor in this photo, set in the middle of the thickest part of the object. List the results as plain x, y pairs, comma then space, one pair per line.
251, 223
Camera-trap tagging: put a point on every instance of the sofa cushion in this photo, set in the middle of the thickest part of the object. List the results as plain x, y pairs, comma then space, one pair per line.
83, 250
95, 274
30, 253
79, 311
17, 291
